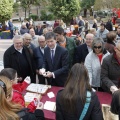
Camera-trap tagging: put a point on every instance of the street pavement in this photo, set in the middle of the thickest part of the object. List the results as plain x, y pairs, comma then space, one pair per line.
4, 44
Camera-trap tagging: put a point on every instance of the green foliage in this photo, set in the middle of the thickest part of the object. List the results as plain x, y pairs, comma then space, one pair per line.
44, 16
65, 9
50, 17
6, 9
109, 4
87, 4
34, 17
15, 7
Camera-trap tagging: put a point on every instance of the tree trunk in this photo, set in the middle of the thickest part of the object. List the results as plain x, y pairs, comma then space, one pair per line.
91, 12
85, 12
25, 13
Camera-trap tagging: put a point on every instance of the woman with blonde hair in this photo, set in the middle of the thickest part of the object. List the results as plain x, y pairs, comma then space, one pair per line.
12, 111
8, 110
95, 24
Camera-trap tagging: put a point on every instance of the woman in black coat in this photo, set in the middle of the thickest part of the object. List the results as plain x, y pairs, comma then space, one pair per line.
71, 100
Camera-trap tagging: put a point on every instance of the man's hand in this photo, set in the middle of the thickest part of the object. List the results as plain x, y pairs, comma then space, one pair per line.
40, 105
49, 74
41, 71
113, 89
27, 80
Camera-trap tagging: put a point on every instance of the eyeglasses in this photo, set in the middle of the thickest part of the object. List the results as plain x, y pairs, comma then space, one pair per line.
2, 84
97, 47
88, 39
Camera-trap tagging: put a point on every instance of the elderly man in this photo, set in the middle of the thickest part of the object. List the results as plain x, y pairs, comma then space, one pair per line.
110, 71
84, 49
39, 30
19, 58
27, 41
23, 29
38, 57
34, 37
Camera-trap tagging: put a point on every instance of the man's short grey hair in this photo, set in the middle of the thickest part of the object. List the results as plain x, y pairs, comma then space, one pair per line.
26, 35
90, 34
17, 37
98, 41
41, 37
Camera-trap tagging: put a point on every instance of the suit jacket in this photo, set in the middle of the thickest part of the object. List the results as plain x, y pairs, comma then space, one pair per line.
59, 66
38, 57
81, 53
40, 32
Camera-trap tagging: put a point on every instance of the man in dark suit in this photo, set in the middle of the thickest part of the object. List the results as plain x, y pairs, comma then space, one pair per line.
38, 57
39, 30
19, 58
84, 49
55, 61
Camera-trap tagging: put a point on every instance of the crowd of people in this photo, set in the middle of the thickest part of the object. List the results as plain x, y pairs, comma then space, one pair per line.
55, 59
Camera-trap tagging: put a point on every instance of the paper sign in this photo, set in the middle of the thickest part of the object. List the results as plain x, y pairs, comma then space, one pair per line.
50, 105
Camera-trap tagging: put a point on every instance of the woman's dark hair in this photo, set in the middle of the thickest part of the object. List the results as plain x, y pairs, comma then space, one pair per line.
9, 73
111, 36
103, 24
76, 87
59, 30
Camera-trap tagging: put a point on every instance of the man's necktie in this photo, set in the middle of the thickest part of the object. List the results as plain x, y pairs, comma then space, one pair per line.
52, 55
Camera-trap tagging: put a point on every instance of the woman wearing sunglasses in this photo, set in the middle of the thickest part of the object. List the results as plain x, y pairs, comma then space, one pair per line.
93, 62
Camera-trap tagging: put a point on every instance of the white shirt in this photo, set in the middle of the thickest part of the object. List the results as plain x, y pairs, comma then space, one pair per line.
89, 49
20, 51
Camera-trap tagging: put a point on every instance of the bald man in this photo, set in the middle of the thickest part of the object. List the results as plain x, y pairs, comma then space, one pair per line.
27, 41
84, 49
110, 71
34, 37
38, 57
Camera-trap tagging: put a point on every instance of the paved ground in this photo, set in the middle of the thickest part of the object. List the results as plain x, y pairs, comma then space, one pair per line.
4, 44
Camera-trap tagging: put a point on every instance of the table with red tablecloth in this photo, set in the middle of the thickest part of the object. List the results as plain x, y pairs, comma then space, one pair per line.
105, 98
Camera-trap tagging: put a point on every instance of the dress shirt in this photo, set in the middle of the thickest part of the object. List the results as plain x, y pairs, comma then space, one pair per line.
89, 49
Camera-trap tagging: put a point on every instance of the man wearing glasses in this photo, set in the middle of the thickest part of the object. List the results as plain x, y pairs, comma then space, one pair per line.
110, 71
18, 57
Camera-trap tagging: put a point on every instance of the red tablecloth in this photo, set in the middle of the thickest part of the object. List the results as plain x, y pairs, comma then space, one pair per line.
49, 115
105, 98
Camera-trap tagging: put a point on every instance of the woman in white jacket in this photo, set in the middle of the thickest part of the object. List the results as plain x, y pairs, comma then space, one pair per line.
94, 60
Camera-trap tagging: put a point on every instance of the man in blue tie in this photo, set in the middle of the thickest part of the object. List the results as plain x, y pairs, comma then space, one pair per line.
55, 61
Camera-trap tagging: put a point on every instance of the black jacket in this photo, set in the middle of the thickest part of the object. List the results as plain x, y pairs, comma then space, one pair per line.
81, 53
94, 111
59, 66
12, 60
25, 115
